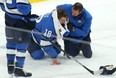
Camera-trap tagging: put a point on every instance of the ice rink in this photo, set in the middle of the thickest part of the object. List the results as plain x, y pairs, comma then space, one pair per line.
103, 43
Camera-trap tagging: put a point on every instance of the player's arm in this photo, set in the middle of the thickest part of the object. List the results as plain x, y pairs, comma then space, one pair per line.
24, 7
1, 5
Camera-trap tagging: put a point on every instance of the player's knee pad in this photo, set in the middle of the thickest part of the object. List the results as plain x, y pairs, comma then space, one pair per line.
37, 55
22, 46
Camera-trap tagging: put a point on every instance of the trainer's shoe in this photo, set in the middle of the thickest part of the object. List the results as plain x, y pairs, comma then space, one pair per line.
19, 72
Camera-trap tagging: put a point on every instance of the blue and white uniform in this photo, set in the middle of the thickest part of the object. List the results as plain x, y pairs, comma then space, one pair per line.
41, 42
16, 8
82, 25
17, 40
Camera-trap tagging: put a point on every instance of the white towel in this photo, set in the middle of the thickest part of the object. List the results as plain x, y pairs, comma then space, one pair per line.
57, 25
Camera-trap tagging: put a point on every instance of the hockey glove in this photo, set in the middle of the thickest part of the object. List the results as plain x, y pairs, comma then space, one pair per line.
31, 21
33, 17
107, 70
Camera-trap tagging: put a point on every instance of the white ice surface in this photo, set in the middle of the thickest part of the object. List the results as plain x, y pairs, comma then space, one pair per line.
103, 43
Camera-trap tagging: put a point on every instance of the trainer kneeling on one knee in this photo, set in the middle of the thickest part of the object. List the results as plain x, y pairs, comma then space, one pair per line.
80, 27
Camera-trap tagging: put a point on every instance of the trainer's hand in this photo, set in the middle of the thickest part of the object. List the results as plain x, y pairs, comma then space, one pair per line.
70, 26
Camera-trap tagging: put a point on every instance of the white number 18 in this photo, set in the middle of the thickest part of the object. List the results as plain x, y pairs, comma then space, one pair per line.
48, 33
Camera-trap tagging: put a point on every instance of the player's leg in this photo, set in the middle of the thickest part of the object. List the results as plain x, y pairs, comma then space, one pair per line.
22, 39
86, 48
54, 60
56, 49
53, 53
50, 50
35, 50
10, 45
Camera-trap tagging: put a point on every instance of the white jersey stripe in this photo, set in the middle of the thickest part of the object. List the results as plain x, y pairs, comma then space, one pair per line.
22, 1
12, 11
10, 51
20, 54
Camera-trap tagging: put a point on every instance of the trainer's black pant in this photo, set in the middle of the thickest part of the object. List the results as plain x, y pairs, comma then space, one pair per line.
74, 49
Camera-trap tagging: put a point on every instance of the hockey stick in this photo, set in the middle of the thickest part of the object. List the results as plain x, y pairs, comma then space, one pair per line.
91, 71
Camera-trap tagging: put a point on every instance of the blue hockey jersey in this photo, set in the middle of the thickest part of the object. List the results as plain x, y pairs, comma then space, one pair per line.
44, 33
46, 29
82, 22
16, 8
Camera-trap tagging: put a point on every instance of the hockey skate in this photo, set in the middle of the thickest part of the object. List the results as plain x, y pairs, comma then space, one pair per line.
20, 73
10, 69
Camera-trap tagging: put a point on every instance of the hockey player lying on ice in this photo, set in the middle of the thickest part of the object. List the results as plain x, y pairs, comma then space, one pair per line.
48, 25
